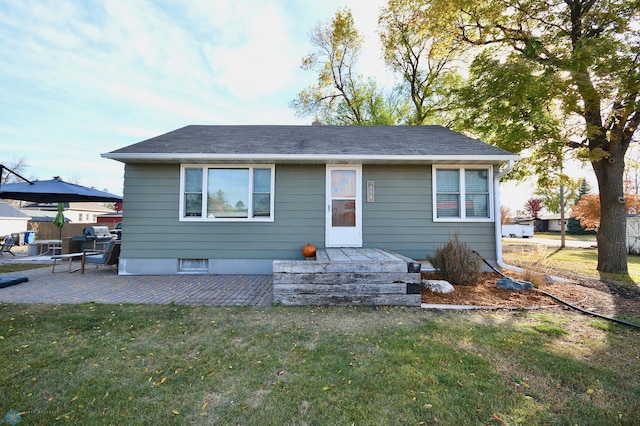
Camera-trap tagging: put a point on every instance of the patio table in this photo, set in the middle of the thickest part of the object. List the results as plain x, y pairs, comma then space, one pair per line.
53, 246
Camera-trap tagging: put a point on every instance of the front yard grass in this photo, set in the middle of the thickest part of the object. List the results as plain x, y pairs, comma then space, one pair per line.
569, 261
17, 267
147, 364
568, 237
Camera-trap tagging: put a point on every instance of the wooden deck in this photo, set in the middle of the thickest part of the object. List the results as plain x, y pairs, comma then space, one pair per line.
348, 276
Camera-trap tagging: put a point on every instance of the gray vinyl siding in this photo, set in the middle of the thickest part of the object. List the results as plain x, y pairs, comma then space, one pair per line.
152, 229
400, 219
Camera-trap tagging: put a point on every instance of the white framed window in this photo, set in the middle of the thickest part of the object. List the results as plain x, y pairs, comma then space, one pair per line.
235, 193
462, 194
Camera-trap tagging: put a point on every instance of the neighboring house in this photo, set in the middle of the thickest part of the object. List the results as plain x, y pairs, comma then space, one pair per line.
109, 219
231, 199
12, 220
552, 222
526, 221
85, 212
545, 223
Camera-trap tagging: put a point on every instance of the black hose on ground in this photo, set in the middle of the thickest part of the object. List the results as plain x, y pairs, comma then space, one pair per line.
489, 265
577, 308
630, 324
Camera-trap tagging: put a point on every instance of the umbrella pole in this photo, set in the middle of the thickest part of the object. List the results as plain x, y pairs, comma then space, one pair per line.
3, 167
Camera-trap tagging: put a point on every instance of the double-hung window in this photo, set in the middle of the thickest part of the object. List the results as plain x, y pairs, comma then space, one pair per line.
462, 194
227, 193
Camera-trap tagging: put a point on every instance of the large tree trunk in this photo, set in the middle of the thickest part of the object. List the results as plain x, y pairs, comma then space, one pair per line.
612, 246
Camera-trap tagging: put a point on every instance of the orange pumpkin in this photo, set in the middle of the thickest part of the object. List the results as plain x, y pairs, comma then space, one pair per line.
309, 250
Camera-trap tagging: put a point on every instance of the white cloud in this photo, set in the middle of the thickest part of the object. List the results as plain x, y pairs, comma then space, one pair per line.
83, 78
365, 17
258, 62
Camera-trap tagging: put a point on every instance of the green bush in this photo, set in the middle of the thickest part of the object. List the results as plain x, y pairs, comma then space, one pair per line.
456, 262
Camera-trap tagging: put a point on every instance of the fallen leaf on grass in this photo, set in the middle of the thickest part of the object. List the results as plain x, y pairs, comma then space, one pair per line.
161, 382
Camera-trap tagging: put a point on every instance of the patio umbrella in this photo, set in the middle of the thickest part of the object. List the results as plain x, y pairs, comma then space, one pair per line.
59, 220
54, 191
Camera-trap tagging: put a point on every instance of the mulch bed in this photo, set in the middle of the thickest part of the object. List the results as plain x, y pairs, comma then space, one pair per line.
592, 295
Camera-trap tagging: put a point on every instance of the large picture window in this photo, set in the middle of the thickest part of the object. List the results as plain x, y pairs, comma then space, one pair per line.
242, 193
462, 194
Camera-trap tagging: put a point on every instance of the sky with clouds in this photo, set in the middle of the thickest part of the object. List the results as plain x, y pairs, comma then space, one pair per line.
81, 78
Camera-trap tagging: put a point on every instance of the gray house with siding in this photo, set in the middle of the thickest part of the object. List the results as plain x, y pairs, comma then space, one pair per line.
232, 199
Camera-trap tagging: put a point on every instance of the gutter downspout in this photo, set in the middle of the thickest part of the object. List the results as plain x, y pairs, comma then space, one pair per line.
498, 227
496, 192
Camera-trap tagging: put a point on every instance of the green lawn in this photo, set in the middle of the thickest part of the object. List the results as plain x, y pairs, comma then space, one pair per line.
16, 267
556, 236
98, 364
569, 261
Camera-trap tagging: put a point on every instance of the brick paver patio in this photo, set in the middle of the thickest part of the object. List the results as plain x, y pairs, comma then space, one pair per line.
102, 285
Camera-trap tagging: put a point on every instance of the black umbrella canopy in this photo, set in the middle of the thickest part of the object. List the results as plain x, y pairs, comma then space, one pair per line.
54, 191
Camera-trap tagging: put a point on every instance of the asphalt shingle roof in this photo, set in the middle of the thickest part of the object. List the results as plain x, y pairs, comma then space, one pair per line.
311, 141
7, 210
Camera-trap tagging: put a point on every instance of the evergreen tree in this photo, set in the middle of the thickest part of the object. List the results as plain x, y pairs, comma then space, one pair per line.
573, 224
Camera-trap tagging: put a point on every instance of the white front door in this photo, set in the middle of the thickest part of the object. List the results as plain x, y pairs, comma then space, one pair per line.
344, 206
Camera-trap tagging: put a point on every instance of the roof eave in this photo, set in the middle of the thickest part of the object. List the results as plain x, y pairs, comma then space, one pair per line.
197, 158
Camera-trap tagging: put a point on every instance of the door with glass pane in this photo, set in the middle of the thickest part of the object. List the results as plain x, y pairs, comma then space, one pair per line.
344, 206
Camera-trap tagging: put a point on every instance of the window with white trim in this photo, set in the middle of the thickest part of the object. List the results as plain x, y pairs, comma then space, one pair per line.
227, 193
462, 194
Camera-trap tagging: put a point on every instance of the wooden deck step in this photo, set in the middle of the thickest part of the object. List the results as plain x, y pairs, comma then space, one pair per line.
348, 276
348, 300
345, 278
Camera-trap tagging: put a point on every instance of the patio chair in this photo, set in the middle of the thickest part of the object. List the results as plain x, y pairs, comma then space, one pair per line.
9, 242
109, 256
